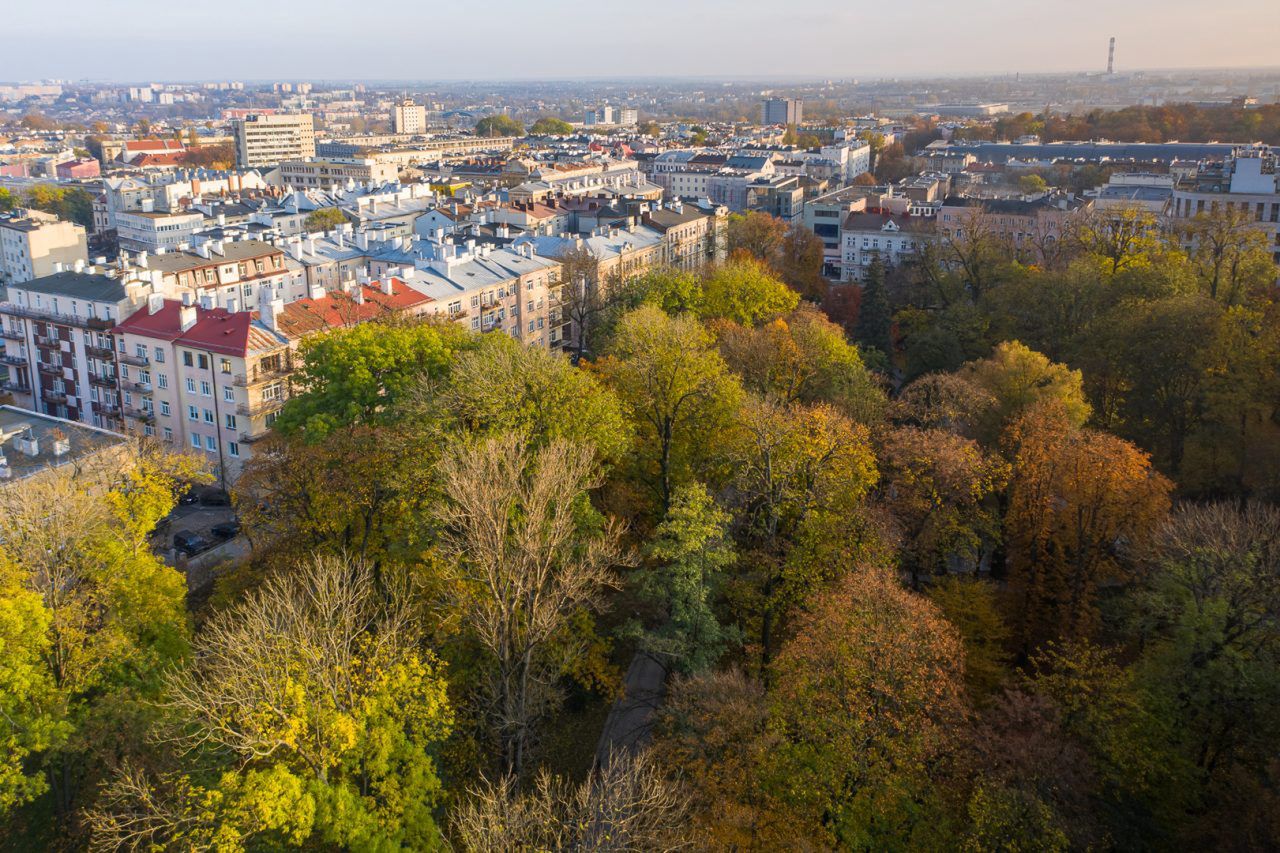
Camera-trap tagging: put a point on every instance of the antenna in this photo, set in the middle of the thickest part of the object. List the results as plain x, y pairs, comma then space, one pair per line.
1111, 57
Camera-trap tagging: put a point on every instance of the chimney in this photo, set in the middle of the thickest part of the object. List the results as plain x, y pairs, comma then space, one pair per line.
186, 317
188, 298
142, 258
57, 266
215, 246
203, 250
387, 285
357, 294
206, 301
271, 311
155, 302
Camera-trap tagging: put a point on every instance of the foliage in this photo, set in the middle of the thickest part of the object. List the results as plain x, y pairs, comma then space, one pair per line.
499, 125
324, 219
746, 292
551, 127
874, 328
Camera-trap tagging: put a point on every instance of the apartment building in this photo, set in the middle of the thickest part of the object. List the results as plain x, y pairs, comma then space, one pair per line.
33, 243
265, 140
408, 117
1247, 181
693, 237
327, 171
782, 111
867, 236
59, 350
236, 274
143, 230
203, 378
1031, 228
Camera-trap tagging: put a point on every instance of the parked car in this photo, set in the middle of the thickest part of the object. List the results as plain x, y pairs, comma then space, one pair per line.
186, 542
226, 530
215, 497
188, 497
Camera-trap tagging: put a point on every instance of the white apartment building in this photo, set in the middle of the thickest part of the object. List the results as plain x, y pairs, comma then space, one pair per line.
311, 172
143, 230
867, 236
265, 140
1247, 182
408, 117
33, 242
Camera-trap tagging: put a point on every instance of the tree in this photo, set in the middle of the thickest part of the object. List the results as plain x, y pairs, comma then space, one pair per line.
551, 127
939, 486
219, 156
499, 125
324, 219
529, 555
675, 389
1078, 499
972, 605
580, 294
758, 234
1019, 378
1032, 185
866, 694
504, 386
357, 375
106, 617
627, 805
650, 128
875, 318
316, 714
799, 263
686, 559
746, 292
1231, 257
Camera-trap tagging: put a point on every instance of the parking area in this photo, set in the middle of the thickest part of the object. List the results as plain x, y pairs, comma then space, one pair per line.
199, 517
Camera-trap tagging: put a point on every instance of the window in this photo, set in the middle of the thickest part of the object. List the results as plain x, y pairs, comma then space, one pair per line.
195, 442
128, 396
186, 357
206, 389
210, 443
168, 434
208, 416
191, 385
164, 407
233, 449
140, 350
230, 421
148, 429
229, 394
159, 359
162, 379
204, 361
124, 371
193, 413
225, 365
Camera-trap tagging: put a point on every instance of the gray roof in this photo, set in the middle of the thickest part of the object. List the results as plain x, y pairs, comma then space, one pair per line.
92, 287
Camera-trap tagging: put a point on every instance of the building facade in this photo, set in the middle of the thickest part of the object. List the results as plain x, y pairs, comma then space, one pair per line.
33, 243
265, 140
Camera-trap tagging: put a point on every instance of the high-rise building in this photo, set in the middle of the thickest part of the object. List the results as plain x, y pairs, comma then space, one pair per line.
782, 111
32, 242
408, 117
265, 140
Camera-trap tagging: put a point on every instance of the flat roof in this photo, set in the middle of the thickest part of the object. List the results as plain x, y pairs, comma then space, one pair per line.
18, 424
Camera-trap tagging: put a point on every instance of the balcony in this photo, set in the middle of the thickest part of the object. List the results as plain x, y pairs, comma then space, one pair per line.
254, 437
53, 396
135, 360
16, 360
147, 416
48, 343
102, 353
255, 377
139, 387
15, 387
96, 323
259, 408
102, 381
111, 410
12, 335
49, 369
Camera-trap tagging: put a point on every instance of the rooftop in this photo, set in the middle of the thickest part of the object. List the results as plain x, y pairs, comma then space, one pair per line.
28, 442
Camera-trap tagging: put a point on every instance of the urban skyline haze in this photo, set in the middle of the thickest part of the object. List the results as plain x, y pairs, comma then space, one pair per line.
399, 40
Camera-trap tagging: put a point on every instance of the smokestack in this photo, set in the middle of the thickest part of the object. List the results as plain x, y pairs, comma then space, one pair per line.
1111, 57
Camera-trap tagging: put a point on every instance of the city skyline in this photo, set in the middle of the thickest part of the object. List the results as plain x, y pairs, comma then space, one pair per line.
712, 39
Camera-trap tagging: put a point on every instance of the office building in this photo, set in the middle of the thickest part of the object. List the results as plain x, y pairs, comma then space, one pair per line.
782, 111
265, 140
408, 117
32, 242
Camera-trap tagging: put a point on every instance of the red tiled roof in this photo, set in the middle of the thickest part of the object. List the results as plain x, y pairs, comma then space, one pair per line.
338, 308
140, 145
170, 159
216, 329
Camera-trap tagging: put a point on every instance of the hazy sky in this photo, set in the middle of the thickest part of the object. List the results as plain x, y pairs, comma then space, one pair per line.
512, 39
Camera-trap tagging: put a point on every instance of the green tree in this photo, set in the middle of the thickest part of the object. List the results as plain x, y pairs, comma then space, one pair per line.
310, 714
499, 125
677, 392
1018, 378
746, 291
1031, 184
324, 219
687, 557
875, 317
551, 127
357, 375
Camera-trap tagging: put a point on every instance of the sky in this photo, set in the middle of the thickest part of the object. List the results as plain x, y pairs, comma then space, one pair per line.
141, 40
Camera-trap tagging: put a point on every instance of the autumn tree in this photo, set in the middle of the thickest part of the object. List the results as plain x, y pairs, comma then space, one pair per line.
581, 297
972, 605
799, 262
1231, 257
551, 127
676, 391
1018, 378
747, 292
315, 710
626, 805
867, 695
756, 234
499, 125
1077, 499
529, 554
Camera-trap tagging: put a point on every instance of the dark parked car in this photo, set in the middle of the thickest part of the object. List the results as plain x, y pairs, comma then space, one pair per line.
187, 498
190, 543
226, 530
215, 497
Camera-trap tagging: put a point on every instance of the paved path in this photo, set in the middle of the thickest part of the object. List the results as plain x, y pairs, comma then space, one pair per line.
631, 718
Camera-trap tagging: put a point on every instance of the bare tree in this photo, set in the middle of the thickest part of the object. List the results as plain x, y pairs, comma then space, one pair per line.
626, 805
580, 295
514, 527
